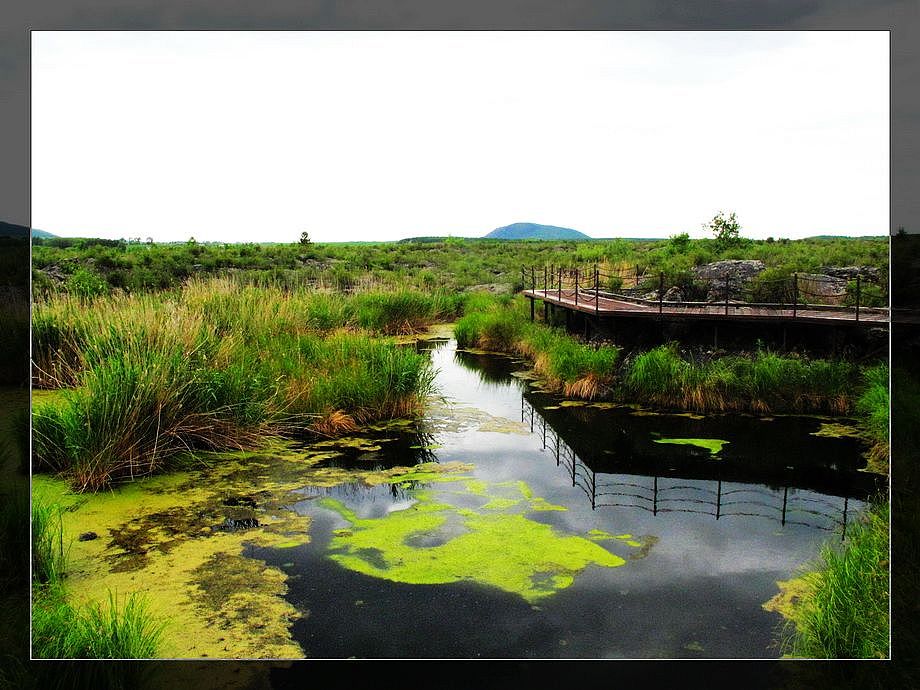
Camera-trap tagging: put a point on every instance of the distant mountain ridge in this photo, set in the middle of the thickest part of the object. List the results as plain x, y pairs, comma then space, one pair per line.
14, 230
535, 231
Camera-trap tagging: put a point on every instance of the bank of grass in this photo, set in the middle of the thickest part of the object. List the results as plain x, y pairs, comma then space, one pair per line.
873, 406
762, 382
576, 369
61, 630
217, 365
844, 612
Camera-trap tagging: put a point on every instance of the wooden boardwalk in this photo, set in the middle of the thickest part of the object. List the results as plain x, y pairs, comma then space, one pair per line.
607, 304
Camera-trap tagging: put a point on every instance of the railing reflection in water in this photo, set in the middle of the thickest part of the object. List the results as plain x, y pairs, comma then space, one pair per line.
713, 497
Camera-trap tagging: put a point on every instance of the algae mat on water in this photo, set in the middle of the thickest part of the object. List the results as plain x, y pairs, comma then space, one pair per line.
497, 545
713, 445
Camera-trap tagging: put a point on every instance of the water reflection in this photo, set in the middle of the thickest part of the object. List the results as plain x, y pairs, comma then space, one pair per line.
654, 482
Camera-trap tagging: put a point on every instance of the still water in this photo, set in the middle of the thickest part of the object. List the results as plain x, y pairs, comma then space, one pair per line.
563, 530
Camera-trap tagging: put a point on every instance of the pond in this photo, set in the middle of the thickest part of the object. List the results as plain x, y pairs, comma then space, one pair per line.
508, 523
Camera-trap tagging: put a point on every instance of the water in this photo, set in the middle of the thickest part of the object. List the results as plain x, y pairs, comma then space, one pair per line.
567, 532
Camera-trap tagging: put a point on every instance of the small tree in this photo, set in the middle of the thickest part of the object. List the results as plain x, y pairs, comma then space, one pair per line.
305, 238
726, 230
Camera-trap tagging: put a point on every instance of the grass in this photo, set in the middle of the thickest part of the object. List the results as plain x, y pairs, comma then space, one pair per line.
873, 405
845, 612
60, 630
49, 559
217, 365
761, 382
95, 631
567, 366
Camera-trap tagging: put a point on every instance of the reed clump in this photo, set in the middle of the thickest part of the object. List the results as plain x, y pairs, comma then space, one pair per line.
844, 612
573, 368
216, 365
761, 382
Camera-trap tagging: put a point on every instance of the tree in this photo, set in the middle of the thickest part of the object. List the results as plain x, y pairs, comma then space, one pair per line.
305, 238
726, 230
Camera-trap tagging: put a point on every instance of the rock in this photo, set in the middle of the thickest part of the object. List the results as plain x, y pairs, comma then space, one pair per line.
87, 536
673, 295
738, 270
824, 289
653, 295
867, 273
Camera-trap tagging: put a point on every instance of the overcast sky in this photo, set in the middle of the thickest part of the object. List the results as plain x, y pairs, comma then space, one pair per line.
258, 136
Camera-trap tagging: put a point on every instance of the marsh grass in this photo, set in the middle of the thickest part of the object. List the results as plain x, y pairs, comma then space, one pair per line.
217, 366
95, 631
49, 558
761, 382
873, 405
573, 368
845, 612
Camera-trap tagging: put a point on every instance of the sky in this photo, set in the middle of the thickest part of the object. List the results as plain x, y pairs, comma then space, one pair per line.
373, 136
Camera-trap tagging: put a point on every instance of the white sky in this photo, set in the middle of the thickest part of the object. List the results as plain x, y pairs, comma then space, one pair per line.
257, 136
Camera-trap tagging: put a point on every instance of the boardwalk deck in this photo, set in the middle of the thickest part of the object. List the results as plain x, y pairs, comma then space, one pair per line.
605, 304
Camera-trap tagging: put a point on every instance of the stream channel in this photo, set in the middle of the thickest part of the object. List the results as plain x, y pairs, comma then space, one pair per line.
520, 525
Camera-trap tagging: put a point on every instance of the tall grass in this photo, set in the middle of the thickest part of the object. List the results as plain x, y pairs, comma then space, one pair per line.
873, 406
761, 382
576, 369
845, 613
94, 631
216, 365
49, 559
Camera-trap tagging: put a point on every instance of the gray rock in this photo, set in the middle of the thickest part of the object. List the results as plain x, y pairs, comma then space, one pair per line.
867, 273
673, 295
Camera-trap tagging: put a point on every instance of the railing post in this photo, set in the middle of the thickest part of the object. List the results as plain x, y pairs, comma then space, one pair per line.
726, 293
544, 281
559, 284
576, 286
533, 279
597, 291
637, 275
857, 296
523, 280
660, 292
795, 293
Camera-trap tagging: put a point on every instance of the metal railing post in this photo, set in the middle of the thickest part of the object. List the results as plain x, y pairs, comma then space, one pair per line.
660, 292
795, 293
559, 284
544, 281
857, 296
637, 275
597, 291
726, 293
533, 279
576, 286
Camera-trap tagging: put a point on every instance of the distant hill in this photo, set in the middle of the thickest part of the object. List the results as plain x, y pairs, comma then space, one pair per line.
534, 231
44, 234
13, 230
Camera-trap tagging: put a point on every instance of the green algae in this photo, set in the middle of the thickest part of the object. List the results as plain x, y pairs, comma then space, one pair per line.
837, 430
713, 445
436, 543
507, 551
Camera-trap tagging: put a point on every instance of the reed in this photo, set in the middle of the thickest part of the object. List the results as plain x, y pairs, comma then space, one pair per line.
95, 631
845, 612
216, 365
873, 406
49, 559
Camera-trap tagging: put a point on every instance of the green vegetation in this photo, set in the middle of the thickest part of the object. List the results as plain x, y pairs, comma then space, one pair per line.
450, 264
759, 382
873, 406
60, 630
843, 613
216, 365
